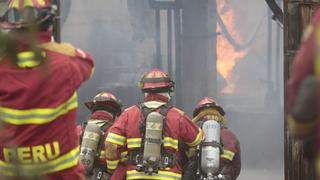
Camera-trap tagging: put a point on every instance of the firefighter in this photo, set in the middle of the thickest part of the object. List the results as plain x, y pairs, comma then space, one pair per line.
303, 95
220, 145
105, 110
38, 99
151, 132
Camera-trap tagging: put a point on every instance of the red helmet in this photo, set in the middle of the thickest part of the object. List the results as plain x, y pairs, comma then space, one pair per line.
156, 81
105, 101
22, 13
207, 103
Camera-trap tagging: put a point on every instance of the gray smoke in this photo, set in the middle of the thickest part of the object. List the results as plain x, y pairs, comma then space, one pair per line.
120, 35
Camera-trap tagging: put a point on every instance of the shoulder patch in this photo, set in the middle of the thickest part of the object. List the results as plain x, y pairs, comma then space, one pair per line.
178, 110
64, 48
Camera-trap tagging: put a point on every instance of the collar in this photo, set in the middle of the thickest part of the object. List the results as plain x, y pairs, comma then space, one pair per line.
101, 115
156, 97
24, 39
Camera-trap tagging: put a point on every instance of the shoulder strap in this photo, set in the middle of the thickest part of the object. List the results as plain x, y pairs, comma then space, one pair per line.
145, 112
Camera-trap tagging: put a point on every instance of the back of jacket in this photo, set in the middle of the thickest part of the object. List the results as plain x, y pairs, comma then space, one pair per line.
126, 132
38, 107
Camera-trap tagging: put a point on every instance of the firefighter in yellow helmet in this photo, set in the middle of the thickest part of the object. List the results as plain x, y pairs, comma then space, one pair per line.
24, 13
152, 131
38, 97
219, 154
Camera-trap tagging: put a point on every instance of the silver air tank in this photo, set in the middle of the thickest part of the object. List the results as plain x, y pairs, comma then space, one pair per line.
89, 146
210, 155
153, 141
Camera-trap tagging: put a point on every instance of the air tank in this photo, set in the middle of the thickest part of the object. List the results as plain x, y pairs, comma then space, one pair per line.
210, 154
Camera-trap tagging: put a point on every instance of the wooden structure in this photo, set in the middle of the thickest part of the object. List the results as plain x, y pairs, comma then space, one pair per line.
298, 14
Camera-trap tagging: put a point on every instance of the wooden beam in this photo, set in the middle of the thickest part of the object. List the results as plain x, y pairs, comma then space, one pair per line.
298, 14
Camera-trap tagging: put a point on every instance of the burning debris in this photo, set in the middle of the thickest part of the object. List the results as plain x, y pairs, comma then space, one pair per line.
227, 55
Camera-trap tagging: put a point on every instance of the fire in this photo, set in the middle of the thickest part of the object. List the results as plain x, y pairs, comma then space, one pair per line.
227, 56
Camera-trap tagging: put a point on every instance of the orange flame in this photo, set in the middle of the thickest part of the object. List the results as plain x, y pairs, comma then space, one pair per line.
226, 55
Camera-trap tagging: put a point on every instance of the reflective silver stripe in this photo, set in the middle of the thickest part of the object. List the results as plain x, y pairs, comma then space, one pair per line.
167, 142
37, 116
31, 59
27, 59
65, 161
170, 142
161, 174
153, 104
115, 138
134, 142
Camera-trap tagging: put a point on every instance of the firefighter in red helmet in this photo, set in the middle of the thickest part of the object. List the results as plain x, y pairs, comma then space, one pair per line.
151, 132
220, 145
105, 110
38, 96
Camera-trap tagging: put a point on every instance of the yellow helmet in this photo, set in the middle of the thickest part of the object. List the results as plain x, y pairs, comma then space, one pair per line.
22, 13
18, 4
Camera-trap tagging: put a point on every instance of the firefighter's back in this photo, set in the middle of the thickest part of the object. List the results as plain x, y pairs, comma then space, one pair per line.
38, 107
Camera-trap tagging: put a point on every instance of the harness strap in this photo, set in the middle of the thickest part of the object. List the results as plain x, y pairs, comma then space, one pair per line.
168, 159
145, 112
213, 144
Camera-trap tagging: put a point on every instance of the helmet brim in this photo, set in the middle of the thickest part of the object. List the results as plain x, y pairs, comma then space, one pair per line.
198, 110
6, 25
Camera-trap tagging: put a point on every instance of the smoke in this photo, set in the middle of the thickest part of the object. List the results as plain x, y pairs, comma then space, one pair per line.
120, 35
119, 39
255, 108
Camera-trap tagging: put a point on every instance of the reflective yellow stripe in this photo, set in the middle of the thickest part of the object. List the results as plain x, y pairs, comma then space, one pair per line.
115, 162
300, 129
112, 167
102, 154
163, 175
197, 140
65, 161
116, 139
124, 153
28, 64
170, 142
15, 3
39, 115
28, 3
317, 60
134, 142
228, 155
124, 156
28, 59
167, 142
112, 164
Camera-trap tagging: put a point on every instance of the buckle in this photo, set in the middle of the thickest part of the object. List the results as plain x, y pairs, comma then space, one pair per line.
166, 161
137, 158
